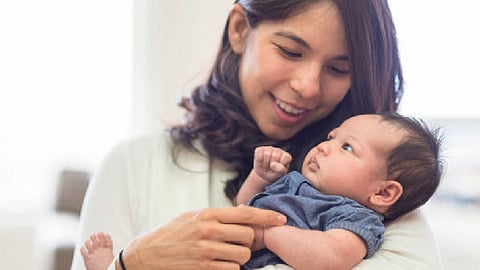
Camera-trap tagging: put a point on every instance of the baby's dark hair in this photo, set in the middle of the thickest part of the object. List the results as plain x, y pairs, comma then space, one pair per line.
415, 162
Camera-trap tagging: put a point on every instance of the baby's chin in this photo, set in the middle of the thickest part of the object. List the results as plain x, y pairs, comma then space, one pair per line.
310, 175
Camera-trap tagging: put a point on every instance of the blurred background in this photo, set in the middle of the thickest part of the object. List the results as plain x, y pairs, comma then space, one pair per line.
77, 77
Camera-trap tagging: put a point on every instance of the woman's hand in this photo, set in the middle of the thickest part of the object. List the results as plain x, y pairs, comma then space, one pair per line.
214, 238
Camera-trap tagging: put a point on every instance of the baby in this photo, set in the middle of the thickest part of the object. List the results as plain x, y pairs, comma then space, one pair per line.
372, 169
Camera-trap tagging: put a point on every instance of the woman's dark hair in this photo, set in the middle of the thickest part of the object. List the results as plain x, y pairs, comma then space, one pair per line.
218, 117
415, 163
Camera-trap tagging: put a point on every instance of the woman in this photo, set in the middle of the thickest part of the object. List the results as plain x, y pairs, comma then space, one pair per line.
285, 71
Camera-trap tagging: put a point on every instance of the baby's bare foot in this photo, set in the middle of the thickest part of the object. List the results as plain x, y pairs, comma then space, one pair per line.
97, 252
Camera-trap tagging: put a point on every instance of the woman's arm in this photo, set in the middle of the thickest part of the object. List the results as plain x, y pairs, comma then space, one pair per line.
313, 249
116, 204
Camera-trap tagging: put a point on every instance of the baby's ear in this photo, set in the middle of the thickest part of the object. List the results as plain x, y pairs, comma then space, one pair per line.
387, 194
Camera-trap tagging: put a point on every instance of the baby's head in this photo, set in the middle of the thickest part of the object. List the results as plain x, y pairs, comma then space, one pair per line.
416, 163
386, 162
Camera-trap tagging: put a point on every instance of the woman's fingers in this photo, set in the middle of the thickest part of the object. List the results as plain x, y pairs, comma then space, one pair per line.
191, 254
213, 250
213, 238
243, 215
232, 225
227, 233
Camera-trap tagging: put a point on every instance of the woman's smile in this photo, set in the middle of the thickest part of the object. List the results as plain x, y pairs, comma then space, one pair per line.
289, 113
288, 108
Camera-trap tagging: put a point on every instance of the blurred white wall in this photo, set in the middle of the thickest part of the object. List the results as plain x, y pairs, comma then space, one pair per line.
65, 100
65, 89
439, 52
174, 45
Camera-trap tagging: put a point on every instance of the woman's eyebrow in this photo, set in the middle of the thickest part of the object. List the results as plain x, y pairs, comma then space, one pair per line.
294, 38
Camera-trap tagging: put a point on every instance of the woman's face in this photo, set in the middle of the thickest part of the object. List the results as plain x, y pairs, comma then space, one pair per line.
294, 72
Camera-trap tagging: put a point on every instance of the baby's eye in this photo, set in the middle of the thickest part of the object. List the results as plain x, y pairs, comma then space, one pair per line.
347, 147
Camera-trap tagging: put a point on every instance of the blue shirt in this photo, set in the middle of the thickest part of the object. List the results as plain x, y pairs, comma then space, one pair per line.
308, 208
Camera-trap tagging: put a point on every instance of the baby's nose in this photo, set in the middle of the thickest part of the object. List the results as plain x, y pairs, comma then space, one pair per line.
324, 147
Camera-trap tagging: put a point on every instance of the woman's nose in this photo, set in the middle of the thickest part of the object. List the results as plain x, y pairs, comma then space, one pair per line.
307, 82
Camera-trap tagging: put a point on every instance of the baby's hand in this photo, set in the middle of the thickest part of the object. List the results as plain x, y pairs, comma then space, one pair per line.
270, 163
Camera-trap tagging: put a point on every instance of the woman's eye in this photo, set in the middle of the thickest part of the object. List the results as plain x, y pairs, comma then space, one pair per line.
347, 147
289, 53
338, 70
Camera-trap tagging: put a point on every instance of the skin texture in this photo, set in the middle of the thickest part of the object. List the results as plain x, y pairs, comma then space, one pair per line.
289, 75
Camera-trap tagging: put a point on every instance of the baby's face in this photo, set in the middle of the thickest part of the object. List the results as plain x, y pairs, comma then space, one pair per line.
352, 162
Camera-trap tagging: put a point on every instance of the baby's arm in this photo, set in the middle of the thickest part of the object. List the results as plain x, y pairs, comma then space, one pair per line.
269, 164
332, 249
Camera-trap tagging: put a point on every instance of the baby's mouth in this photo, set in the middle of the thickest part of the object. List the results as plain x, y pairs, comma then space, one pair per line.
313, 164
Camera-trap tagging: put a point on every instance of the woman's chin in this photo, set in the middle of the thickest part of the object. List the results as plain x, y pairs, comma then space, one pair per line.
280, 134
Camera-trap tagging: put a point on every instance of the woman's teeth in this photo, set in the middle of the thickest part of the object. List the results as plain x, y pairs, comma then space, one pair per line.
289, 108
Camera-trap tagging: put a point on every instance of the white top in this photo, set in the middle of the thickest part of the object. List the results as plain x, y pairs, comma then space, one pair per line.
138, 187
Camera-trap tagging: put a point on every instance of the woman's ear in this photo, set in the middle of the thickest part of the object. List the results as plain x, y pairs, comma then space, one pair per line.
238, 28
388, 193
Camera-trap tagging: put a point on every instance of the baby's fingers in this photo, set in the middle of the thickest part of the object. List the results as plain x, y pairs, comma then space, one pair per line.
278, 168
285, 159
